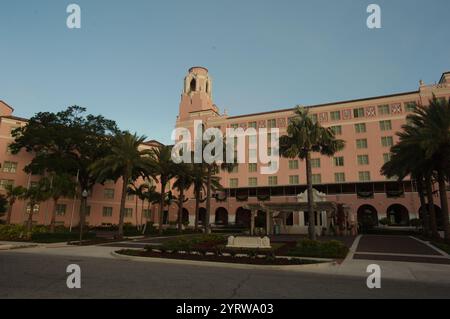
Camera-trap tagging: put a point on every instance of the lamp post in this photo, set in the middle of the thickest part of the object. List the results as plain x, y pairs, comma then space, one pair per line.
84, 196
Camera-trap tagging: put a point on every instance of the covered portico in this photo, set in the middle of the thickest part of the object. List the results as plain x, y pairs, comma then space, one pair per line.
276, 214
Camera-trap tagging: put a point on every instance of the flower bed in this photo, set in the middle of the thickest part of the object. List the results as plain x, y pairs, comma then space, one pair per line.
212, 248
212, 257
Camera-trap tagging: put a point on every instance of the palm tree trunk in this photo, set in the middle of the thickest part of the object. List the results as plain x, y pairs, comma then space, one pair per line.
423, 210
180, 209
444, 204
30, 221
136, 211
312, 222
9, 214
431, 211
53, 220
142, 212
161, 205
197, 205
208, 200
123, 198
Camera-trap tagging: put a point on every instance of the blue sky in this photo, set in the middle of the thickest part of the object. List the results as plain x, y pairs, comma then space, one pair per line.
128, 60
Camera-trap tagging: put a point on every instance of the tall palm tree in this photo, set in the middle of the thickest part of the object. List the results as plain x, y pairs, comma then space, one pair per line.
62, 185
125, 161
433, 123
150, 195
183, 181
305, 137
137, 192
35, 194
12, 194
199, 183
163, 168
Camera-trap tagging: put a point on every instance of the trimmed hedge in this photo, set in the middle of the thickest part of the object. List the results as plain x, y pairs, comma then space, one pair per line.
319, 249
39, 234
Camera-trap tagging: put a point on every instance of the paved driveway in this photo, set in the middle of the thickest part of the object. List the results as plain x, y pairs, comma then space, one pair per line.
398, 248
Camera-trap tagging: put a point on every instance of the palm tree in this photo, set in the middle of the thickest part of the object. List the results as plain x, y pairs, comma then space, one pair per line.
125, 161
12, 194
305, 137
136, 191
184, 179
60, 186
164, 168
433, 125
35, 194
150, 195
199, 183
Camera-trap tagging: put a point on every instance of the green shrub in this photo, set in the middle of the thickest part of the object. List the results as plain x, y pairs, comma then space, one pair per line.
12, 232
314, 248
384, 221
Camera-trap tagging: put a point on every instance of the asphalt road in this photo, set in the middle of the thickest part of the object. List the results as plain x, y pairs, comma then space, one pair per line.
24, 275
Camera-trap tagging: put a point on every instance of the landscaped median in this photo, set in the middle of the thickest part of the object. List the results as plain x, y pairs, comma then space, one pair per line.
212, 248
40, 234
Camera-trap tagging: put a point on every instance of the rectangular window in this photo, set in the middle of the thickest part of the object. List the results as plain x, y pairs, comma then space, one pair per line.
128, 213
315, 163
293, 164
252, 124
130, 197
9, 167
361, 143
293, 180
387, 141
252, 181
338, 161
383, 109
363, 159
5, 182
339, 177
234, 126
147, 213
252, 168
272, 123
269, 151
410, 106
364, 176
107, 212
316, 178
358, 113
234, 182
235, 168
386, 157
61, 209
314, 118
273, 180
109, 193
386, 125
337, 129
252, 154
360, 128
335, 115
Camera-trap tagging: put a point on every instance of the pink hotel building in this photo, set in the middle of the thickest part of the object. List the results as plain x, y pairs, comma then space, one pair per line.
351, 177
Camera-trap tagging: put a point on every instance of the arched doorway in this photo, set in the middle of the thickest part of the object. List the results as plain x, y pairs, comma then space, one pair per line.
221, 216
185, 217
367, 217
398, 215
201, 215
243, 217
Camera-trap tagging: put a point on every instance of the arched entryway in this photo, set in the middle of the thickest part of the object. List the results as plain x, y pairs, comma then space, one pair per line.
185, 217
201, 215
398, 215
367, 217
221, 216
243, 217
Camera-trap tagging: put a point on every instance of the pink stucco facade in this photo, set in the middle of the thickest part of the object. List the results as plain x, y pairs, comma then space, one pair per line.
352, 177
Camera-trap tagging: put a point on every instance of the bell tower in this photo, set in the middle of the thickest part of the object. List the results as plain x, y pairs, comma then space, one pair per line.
197, 93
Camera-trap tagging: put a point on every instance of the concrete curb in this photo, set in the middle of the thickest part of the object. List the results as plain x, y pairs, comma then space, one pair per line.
12, 247
226, 265
443, 253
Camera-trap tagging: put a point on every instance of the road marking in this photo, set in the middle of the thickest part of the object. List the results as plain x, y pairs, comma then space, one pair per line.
352, 249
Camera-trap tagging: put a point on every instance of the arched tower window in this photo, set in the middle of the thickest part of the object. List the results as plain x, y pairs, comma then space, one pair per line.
207, 87
193, 85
